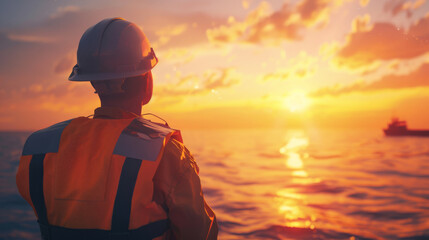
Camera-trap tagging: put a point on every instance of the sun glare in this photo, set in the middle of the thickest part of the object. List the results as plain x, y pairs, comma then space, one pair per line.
296, 102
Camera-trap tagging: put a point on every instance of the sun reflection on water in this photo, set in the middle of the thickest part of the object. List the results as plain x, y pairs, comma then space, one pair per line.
294, 154
299, 173
290, 201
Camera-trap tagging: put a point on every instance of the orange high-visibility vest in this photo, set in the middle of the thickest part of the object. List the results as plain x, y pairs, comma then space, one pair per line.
92, 178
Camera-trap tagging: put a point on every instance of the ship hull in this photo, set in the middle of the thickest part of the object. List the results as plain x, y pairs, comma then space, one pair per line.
418, 133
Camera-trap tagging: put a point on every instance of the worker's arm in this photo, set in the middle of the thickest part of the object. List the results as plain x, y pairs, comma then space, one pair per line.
180, 189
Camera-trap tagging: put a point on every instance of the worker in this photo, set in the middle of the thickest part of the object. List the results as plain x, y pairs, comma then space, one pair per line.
116, 175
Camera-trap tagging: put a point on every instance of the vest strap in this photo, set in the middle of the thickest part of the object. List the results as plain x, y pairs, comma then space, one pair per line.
124, 195
146, 232
36, 187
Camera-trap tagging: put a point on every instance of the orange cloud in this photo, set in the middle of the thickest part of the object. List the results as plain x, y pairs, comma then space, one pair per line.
395, 7
283, 24
177, 31
193, 85
383, 41
66, 63
278, 25
49, 103
417, 78
299, 67
278, 75
236, 30
64, 10
361, 24
245, 4
30, 38
63, 90
165, 34
363, 3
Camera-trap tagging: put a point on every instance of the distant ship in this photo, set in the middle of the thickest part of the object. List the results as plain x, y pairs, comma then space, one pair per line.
399, 128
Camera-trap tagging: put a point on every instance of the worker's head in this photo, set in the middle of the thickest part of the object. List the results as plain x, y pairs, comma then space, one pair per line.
136, 89
116, 57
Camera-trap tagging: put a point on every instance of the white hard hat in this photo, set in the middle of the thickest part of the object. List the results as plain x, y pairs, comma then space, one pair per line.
113, 49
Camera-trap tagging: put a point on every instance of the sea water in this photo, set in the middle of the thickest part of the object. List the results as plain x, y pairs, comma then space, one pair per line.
284, 184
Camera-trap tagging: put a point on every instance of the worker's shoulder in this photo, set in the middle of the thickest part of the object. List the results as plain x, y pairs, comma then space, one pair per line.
143, 139
53, 128
176, 154
45, 140
150, 128
176, 147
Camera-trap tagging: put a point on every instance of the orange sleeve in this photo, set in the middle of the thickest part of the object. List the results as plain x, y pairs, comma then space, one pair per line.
179, 188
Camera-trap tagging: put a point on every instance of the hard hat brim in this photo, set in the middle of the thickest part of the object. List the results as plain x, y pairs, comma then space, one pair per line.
106, 76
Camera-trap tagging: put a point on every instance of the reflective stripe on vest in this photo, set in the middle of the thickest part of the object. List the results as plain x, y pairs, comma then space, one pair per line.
140, 141
45, 140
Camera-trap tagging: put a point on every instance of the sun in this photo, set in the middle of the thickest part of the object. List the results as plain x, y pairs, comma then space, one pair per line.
296, 102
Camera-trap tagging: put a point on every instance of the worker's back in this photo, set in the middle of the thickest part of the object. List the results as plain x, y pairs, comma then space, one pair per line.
95, 174
116, 176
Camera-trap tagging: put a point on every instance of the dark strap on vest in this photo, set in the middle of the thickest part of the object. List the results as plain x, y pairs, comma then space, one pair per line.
124, 195
36, 191
121, 209
146, 232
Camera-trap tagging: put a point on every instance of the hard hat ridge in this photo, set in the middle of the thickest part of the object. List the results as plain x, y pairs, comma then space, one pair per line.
113, 49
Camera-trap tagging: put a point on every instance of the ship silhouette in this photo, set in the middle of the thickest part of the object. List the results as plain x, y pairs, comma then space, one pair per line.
398, 128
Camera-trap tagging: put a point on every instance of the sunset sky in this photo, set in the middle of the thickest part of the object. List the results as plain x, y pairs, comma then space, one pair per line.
229, 63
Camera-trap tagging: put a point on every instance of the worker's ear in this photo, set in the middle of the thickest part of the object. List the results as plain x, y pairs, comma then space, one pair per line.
148, 89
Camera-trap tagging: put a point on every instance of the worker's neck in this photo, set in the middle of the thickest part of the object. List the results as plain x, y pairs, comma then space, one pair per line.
126, 106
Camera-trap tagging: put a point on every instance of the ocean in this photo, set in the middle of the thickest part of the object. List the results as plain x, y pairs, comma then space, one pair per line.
284, 184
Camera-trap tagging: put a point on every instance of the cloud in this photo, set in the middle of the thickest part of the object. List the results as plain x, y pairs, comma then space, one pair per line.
49, 102
66, 63
64, 10
178, 56
278, 75
236, 30
394, 65
24, 63
245, 4
39, 105
278, 26
196, 85
166, 33
168, 30
311, 12
364, 3
30, 38
284, 24
58, 90
395, 7
215, 81
417, 78
32, 54
366, 45
299, 67
362, 24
